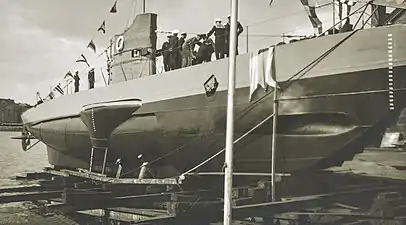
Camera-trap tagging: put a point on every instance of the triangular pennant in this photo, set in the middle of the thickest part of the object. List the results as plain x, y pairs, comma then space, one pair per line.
114, 8
83, 59
68, 74
92, 46
51, 95
102, 27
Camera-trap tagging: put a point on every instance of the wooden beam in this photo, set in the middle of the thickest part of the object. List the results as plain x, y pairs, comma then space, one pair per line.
91, 176
34, 196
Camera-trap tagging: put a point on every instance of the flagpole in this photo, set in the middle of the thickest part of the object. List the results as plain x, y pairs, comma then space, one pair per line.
274, 132
228, 175
143, 6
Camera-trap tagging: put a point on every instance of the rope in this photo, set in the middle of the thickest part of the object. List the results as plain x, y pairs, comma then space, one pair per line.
222, 150
286, 15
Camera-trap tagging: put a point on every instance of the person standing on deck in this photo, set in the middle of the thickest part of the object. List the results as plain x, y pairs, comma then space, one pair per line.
174, 50
240, 29
90, 77
219, 31
166, 54
182, 40
77, 81
205, 51
188, 50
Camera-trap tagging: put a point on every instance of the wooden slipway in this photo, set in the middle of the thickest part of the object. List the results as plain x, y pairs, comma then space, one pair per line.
377, 162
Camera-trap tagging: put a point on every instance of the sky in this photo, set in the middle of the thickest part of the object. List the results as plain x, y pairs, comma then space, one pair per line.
40, 40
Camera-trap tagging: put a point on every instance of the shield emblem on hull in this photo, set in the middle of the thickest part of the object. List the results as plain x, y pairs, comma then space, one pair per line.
211, 85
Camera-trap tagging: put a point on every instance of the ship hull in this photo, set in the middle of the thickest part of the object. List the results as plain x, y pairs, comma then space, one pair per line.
323, 112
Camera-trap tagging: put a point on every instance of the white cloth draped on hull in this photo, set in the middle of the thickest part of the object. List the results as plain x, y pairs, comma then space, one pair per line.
262, 70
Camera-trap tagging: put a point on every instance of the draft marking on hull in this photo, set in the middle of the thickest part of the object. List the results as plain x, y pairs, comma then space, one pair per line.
390, 73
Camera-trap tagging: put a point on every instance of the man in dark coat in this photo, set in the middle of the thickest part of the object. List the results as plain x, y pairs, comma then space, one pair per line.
174, 50
240, 29
205, 51
219, 31
90, 77
77, 81
166, 54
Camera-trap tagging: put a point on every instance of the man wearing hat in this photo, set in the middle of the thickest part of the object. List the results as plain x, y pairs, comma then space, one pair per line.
219, 31
174, 50
240, 29
205, 51
182, 39
164, 51
188, 50
90, 77
77, 79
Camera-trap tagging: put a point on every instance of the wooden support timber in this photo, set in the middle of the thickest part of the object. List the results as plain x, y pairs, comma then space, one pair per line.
168, 201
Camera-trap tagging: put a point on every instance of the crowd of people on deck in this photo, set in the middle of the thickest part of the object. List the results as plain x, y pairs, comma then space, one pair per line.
179, 52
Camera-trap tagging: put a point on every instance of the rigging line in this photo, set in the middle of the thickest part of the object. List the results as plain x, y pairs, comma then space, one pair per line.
173, 151
303, 27
285, 16
369, 18
362, 14
221, 151
292, 30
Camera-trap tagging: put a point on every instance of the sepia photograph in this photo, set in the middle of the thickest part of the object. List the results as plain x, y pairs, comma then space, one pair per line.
186, 112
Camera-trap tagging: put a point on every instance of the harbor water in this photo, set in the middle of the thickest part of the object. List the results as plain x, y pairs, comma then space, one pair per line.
14, 161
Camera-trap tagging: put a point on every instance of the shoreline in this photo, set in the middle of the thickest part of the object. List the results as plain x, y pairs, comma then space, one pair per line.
7, 128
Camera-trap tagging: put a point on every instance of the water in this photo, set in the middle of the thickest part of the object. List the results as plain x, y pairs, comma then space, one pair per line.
14, 161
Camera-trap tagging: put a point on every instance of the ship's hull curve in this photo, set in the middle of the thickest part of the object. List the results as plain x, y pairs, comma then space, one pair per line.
178, 120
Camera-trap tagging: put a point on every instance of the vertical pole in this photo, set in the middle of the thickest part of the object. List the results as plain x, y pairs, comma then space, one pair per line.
274, 126
228, 178
334, 16
340, 15
91, 160
104, 160
247, 40
143, 6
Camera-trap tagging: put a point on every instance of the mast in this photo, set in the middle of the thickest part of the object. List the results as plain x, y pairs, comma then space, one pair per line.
228, 175
143, 6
